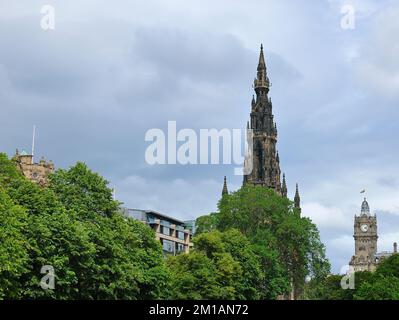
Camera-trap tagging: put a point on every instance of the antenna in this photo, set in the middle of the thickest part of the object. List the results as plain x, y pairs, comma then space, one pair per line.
33, 141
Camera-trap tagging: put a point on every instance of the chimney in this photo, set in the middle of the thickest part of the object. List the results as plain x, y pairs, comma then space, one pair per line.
395, 247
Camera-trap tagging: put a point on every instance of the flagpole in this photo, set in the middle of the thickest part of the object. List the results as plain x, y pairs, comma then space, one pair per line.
33, 142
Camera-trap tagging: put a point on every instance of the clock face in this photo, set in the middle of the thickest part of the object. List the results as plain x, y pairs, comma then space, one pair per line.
364, 227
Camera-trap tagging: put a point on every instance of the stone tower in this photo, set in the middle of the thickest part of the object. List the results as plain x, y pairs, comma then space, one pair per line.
266, 162
365, 235
36, 172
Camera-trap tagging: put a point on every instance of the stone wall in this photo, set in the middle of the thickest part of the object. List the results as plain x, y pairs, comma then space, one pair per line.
36, 172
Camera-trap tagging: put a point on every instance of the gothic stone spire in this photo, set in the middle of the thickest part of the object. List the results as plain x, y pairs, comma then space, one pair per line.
266, 164
284, 190
261, 63
225, 191
261, 83
297, 199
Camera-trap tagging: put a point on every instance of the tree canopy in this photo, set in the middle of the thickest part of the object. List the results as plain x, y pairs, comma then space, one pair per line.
223, 265
288, 245
256, 246
75, 227
383, 284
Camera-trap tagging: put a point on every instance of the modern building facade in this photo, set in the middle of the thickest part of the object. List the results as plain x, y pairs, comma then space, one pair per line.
365, 234
173, 234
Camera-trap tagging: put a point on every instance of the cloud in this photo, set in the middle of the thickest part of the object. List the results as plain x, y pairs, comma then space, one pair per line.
324, 216
377, 68
342, 241
342, 248
364, 9
142, 193
386, 240
108, 73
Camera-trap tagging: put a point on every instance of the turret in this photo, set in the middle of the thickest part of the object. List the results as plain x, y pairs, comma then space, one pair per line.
365, 210
261, 83
284, 190
297, 199
225, 190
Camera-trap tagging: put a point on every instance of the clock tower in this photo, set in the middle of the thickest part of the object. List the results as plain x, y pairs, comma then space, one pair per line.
365, 235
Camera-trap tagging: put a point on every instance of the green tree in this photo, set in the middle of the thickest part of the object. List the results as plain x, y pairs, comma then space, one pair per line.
389, 266
13, 247
330, 288
76, 227
193, 277
384, 284
128, 261
223, 265
34, 199
235, 244
83, 191
61, 241
289, 246
382, 288
206, 223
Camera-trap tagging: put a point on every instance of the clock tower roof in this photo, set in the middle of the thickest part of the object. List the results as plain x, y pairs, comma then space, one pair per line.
365, 208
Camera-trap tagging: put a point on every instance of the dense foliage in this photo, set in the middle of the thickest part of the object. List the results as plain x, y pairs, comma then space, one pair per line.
74, 226
223, 265
256, 246
383, 284
287, 245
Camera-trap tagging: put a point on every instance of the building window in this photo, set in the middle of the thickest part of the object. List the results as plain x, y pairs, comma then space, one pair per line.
150, 218
168, 246
165, 230
179, 248
137, 215
165, 223
180, 235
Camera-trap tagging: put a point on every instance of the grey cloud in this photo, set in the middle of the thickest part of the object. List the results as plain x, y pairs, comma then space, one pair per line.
106, 75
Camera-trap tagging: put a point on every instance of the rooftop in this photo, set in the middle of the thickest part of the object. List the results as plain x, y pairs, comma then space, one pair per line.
365, 208
383, 254
159, 215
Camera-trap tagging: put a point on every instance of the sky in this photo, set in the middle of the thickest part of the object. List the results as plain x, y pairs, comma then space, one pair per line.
110, 71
